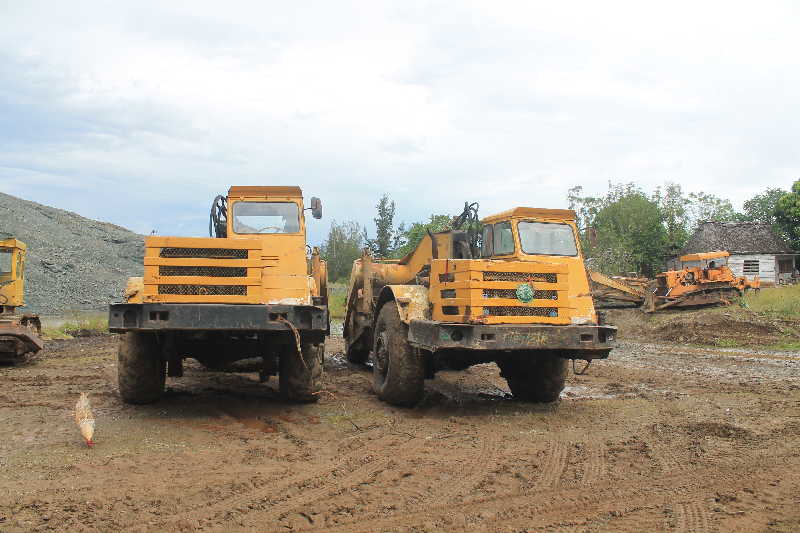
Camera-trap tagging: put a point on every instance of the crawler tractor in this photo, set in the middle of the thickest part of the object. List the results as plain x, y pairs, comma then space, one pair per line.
515, 293
19, 334
250, 290
705, 279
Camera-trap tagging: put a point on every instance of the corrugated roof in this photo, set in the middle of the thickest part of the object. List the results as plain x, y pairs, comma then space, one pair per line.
737, 238
265, 190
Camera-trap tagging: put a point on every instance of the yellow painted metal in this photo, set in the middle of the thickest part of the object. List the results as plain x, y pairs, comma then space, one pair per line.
270, 268
12, 273
411, 301
704, 256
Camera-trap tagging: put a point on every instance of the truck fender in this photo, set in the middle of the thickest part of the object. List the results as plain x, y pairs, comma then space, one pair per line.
411, 301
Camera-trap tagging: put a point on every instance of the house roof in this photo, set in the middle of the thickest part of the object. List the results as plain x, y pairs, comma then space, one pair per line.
736, 238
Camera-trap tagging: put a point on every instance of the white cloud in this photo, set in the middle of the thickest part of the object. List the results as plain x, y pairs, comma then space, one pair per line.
140, 113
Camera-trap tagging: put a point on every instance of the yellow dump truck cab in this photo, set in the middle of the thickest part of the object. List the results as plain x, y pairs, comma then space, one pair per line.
19, 334
520, 299
251, 289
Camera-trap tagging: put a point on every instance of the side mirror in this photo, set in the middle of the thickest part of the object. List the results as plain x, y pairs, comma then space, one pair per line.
316, 207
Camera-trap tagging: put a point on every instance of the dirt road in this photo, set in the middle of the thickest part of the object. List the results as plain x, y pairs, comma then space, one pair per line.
658, 438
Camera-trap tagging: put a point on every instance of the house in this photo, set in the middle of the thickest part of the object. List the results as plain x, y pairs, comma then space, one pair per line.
755, 248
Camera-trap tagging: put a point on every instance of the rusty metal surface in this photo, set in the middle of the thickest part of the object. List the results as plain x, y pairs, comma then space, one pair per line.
17, 340
588, 342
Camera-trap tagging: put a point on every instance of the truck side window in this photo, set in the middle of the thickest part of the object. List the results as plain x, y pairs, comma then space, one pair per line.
486, 241
5, 261
503, 242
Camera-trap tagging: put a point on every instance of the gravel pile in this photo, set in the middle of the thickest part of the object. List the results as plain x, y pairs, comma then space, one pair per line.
73, 263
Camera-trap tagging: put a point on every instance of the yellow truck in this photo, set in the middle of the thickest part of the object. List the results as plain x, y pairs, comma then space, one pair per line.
251, 289
19, 334
520, 298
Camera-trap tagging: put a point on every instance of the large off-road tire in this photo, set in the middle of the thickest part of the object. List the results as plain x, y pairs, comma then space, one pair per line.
300, 377
141, 371
534, 377
398, 369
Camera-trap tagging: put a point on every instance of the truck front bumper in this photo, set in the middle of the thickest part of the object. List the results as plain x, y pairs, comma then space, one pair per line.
219, 317
585, 342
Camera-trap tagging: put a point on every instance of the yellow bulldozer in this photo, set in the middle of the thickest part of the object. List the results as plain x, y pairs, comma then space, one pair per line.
514, 292
20, 335
705, 279
249, 290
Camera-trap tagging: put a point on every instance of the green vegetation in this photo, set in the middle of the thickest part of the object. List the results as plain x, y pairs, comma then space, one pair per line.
787, 214
337, 294
626, 230
783, 302
79, 326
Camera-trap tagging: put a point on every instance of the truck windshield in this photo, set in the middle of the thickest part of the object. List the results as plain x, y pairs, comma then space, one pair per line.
5, 261
546, 238
265, 217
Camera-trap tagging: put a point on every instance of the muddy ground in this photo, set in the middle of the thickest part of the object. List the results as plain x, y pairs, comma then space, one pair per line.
657, 438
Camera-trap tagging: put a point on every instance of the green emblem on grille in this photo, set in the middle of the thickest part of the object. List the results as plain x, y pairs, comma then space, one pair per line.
524, 293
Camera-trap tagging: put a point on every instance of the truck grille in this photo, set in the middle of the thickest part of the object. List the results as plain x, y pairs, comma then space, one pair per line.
210, 253
520, 276
212, 272
204, 290
508, 310
512, 293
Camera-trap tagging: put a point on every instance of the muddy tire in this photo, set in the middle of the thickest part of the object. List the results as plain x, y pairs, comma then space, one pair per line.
141, 371
300, 379
535, 377
356, 354
398, 369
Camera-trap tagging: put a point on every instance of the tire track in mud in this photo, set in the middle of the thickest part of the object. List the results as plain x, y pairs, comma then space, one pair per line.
554, 465
691, 517
536, 507
594, 470
262, 492
249, 505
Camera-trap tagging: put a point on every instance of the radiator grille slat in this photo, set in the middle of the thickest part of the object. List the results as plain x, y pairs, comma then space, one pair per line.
213, 272
208, 253
520, 276
203, 290
508, 310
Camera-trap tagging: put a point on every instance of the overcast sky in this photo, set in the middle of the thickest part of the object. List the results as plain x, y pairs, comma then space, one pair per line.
139, 113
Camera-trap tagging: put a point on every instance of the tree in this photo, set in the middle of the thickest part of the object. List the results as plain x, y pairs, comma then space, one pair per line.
761, 207
341, 248
629, 234
385, 234
787, 215
415, 233
705, 207
673, 205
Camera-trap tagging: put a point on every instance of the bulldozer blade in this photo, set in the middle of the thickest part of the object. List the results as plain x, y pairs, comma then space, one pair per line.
16, 341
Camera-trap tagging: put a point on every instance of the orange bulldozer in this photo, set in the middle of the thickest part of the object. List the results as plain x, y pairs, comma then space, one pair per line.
705, 279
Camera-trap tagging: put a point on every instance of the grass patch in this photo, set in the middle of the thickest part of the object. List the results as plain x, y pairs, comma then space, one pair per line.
79, 326
337, 296
783, 302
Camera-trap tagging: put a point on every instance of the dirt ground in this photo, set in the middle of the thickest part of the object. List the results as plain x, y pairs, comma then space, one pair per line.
657, 438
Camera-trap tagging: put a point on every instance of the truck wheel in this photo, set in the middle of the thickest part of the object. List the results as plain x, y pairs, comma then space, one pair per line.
141, 371
535, 377
398, 369
300, 379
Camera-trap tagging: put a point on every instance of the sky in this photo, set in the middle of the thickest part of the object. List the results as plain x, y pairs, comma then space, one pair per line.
140, 113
